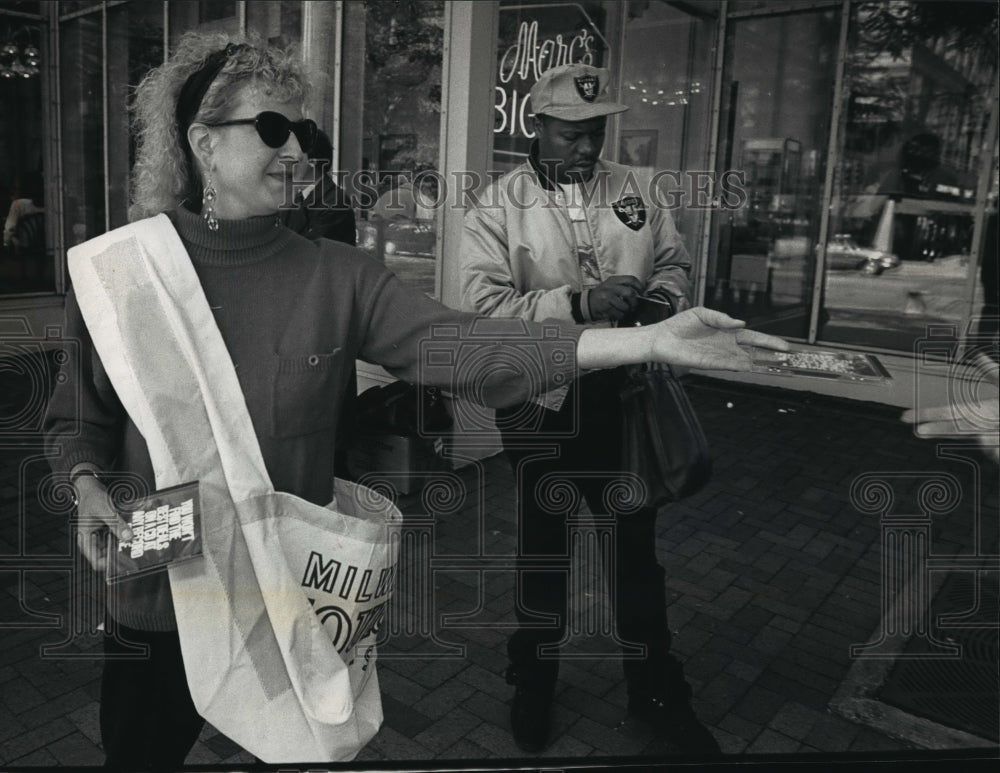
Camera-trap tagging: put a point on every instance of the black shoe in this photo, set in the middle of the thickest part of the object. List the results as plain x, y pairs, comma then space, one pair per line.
529, 715
676, 724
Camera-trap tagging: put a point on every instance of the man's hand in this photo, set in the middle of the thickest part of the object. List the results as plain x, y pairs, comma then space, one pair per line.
953, 422
615, 297
95, 519
707, 339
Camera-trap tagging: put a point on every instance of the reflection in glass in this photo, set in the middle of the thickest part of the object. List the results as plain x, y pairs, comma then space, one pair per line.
26, 264
399, 145
71, 6
207, 15
135, 46
82, 129
667, 125
916, 91
533, 37
279, 23
774, 130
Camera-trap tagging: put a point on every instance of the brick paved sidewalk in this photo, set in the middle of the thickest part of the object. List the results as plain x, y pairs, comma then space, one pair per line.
772, 572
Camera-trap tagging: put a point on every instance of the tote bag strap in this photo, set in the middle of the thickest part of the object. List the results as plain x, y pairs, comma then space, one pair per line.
154, 331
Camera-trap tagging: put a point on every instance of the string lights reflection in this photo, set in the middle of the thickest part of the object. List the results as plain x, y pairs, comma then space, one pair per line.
655, 94
19, 59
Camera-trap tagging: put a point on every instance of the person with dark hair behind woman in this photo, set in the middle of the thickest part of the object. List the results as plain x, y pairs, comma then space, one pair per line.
324, 212
323, 209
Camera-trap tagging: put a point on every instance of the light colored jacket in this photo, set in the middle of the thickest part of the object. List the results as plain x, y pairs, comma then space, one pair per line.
519, 256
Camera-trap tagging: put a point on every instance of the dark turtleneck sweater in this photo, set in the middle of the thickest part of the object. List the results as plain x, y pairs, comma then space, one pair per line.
294, 315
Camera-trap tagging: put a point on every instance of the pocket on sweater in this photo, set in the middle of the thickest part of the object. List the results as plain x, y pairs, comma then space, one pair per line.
304, 398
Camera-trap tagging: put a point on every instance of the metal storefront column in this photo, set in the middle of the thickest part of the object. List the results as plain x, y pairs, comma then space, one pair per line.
466, 126
832, 160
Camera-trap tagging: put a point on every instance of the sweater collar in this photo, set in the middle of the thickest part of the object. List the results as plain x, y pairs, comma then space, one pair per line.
237, 242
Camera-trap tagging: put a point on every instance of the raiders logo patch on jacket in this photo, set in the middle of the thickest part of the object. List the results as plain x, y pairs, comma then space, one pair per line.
631, 211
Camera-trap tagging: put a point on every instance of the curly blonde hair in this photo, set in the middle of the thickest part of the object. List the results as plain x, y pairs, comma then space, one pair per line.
164, 176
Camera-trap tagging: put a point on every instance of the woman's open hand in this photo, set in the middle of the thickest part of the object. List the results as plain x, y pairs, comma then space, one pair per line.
696, 338
708, 340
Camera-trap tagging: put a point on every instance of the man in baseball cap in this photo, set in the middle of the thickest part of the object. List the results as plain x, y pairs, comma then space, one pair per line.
568, 236
574, 92
571, 104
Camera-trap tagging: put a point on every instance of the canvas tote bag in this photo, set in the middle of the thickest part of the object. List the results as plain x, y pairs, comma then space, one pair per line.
278, 621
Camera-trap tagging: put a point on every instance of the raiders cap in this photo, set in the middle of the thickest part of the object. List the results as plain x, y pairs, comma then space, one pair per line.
574, 92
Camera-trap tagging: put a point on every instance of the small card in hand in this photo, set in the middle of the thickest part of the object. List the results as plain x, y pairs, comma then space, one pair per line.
648, 311
817, 363
166, 529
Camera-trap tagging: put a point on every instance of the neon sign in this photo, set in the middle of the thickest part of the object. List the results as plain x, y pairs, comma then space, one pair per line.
526, 60
529, 57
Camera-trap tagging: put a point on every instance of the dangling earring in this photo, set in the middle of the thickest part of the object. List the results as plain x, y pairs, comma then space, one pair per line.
208, 197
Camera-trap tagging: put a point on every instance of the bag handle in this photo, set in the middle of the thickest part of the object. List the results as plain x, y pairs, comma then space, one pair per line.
139, 278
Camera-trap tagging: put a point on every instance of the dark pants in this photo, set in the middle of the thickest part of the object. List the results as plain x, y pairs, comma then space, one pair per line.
588, 460
148, 721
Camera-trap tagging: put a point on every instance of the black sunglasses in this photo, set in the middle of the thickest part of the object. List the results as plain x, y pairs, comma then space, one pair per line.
273, 129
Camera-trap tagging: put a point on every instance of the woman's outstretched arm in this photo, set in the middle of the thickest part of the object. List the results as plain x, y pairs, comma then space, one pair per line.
697, 338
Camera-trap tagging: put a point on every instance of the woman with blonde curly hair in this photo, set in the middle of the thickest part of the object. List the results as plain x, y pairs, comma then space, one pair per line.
164, 176
220, 128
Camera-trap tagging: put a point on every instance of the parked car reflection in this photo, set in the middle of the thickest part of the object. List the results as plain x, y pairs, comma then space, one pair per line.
384, 239
844, 254
402, 221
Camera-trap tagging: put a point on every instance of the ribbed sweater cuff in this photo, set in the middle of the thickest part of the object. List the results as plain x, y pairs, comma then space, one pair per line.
585, 306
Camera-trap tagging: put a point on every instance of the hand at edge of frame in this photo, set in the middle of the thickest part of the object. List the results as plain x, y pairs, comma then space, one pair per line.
960, 421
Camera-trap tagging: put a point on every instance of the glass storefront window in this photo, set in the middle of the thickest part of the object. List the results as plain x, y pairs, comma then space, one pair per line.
664, 133
984, 328
902, 212
24, 8
774, 129
135, 46
917, 92
278, 23
72, 6
80, 81
25, 256
207, 15
532, 38
666, 129
390, 138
